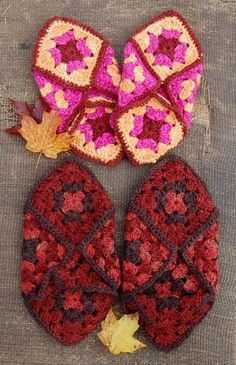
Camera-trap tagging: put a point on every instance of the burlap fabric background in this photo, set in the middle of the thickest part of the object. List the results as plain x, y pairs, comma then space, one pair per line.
209, 149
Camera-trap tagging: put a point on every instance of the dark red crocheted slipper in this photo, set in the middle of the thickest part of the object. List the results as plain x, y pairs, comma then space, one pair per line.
70, 272
78, 75
170, 269
160, 78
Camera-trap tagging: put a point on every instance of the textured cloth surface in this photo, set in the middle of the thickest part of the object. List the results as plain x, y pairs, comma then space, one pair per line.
209, 149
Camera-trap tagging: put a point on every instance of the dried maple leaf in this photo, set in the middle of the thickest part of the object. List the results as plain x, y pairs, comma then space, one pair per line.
117, 334
21, 109
43, 137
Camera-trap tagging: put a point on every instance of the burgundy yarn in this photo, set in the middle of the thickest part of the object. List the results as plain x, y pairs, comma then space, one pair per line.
170, 269
70, 273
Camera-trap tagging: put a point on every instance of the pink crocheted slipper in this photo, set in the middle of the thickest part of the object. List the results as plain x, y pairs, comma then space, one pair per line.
170, 268
77, 74
70, 273
160, 78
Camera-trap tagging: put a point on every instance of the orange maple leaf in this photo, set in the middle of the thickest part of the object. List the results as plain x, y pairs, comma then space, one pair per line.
43, 137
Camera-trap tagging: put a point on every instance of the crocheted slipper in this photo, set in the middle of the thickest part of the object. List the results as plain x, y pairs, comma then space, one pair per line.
70, 273
170, 270
77, 74
160, 79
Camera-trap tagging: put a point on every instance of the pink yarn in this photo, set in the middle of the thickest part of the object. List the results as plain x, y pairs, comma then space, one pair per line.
99, 112
147, 143
138, 125
162, 60
73, 98
165, 133
153, 39
103, 78
156, 114
176, 86
169, 34
180, 52
75, 65
104, 140
56, 54
87, 130
65, 38
82, 48
128, 68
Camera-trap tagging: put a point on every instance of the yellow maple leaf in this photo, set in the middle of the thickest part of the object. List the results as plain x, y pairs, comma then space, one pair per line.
42, 137
117, 334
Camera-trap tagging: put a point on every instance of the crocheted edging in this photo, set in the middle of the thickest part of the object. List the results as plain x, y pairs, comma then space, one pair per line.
77, 74
160, 79
170, 269
70, 273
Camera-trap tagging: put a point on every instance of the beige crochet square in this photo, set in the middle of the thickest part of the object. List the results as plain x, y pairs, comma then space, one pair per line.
46, 62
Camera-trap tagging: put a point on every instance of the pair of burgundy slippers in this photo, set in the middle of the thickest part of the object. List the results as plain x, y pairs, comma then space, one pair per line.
71, 274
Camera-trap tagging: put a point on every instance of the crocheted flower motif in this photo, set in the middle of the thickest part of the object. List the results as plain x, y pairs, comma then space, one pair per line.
149, 131
70, 273
170, 268
97, 128
94, 135
162, 64
176, 200
73, 201
168, 44
67, 50
70, 51
167, 48
75, 69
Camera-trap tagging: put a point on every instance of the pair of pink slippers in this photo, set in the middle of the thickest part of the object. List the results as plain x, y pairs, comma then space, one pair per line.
143, 111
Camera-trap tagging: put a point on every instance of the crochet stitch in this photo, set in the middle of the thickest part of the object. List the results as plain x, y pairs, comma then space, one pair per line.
170, 268
77, 75
70, 272
160, 79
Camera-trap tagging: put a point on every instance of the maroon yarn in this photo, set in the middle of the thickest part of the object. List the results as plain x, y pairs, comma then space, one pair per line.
70, 273
170, 269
